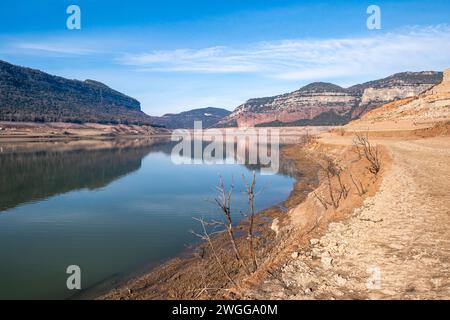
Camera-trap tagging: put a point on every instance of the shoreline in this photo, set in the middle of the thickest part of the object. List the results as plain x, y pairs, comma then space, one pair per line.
294, 235
61, 131
305, 181
369, 247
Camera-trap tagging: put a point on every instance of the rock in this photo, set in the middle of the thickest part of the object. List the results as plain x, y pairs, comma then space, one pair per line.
314, 241
275, 226
308, 291
326, 262
340, 281
316, 253
294, 255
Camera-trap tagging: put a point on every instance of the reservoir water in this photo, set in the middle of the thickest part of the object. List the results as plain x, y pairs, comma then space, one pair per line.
109, 210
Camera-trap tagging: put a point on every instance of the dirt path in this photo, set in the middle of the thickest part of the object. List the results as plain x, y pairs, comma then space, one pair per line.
396, 246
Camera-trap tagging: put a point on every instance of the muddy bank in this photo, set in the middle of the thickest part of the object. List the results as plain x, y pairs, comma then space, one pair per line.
197, 275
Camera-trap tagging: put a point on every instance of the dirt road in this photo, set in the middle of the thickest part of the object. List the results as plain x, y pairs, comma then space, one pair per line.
396, 246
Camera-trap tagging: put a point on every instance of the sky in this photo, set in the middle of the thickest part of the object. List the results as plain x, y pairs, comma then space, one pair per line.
178, 55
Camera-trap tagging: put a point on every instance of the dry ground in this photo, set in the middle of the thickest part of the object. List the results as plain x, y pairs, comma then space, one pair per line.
397, 245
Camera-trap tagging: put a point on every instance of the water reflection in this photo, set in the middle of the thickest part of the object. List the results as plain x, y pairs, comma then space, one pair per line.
37, 171
108, 206
29, 175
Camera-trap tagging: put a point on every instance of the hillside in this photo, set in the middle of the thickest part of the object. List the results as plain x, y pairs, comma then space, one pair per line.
420, 112
322, 103
31, 95
185, 120
388, 242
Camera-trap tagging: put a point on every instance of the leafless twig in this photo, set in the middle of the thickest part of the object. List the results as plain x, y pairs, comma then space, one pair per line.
370, 152
250, 189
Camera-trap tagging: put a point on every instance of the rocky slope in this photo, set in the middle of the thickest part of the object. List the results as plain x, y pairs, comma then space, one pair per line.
427, 108
185, 120
31, 95
328, 104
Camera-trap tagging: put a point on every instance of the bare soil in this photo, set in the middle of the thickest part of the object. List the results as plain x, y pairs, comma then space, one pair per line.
396, 245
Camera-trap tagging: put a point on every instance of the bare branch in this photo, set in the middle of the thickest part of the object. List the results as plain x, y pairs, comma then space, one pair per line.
370, 152
250, 189
206, 236
359, 186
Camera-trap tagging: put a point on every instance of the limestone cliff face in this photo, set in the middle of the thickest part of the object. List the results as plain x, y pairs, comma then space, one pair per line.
398, 86
307, 103
328, 104
443, 87
430, 106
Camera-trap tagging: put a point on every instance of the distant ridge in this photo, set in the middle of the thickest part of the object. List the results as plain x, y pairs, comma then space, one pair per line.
322, 103
185, 120
32, 95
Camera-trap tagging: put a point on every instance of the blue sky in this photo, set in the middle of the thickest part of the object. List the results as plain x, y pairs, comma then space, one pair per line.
176, 55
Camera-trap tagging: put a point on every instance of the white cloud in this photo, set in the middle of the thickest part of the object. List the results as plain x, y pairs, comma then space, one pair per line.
413, 48
60, 48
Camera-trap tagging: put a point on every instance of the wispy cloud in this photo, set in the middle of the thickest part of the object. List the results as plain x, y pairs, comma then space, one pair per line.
412, 48
60, 48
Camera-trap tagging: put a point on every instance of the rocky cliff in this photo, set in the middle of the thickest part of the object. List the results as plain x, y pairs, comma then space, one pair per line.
427, 108
31, 95
328, 104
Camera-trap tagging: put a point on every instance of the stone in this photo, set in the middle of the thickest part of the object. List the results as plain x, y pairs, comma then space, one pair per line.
340, 281
326, 262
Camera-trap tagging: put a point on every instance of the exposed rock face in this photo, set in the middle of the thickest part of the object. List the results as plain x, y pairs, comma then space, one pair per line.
398, 86
31, 95
328, 104
446, 75
428, 107
309, 102
443, 87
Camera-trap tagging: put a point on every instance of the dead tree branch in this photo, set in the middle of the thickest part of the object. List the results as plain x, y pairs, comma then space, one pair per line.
370, 152
206, 236
250, 189
359, 186
223, 200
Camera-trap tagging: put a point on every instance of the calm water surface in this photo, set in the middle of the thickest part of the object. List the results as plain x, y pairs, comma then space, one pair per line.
109, 211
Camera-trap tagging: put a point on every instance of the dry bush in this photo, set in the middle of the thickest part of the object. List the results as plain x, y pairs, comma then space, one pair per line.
209, 228
365, 149
332, 171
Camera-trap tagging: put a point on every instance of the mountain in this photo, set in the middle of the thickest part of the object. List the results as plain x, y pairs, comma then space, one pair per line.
428, 108
31, 95
322, 103
185, 120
